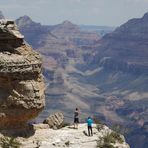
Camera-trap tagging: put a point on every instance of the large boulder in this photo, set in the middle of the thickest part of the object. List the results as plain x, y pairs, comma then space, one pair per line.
55, 121
21, 81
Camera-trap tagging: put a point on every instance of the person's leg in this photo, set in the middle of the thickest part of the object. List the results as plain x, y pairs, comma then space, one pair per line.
88, 130
74, 122
77, 122
91, 131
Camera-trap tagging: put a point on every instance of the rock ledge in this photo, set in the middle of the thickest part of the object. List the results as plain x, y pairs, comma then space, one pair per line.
67, 137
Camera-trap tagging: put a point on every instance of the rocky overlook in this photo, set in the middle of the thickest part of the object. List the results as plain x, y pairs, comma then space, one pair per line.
69, 137
22, 86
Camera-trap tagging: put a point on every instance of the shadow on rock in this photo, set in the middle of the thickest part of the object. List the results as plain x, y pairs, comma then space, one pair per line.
25, 132
85, 133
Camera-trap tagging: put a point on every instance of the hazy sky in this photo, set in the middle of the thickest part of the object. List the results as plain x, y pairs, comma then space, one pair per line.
91, 12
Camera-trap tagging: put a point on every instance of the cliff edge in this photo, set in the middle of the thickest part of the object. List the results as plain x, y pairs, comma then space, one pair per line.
72, 138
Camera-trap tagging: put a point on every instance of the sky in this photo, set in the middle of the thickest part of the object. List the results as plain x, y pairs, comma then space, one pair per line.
88, 12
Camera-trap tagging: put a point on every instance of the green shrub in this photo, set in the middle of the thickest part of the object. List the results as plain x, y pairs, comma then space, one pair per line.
109, 139
9, 142
117, 137
105, 142
106, 145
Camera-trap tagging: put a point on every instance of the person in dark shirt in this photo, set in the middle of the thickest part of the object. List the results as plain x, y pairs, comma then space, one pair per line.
76, 118
89, 125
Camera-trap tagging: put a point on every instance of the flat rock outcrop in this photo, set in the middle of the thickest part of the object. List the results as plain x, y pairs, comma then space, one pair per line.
21, 81
68, 137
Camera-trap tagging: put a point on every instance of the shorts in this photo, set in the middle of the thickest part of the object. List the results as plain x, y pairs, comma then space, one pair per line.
76, 120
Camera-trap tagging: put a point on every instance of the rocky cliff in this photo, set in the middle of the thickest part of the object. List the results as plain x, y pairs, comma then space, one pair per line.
128, 44
22, 86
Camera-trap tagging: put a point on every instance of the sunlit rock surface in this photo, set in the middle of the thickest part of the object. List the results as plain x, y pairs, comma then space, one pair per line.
21, 81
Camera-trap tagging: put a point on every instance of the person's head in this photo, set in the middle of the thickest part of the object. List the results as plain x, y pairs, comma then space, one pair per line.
89, 117
76, 109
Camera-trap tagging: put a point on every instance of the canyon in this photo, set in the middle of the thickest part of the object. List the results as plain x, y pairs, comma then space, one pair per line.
104, 76
22, 99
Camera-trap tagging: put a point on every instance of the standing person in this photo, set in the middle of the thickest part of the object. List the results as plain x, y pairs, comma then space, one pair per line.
89, 125
76, 118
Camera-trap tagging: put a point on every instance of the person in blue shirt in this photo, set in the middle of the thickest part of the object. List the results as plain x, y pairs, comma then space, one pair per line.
89, 125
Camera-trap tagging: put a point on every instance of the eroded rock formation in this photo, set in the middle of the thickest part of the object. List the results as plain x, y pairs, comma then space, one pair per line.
21, 81
55, 121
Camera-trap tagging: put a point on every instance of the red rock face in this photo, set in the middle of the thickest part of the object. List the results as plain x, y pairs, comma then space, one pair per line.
22, 86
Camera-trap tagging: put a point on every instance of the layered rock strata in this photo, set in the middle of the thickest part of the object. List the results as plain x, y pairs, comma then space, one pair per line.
125, 49
55, 121
21, 81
